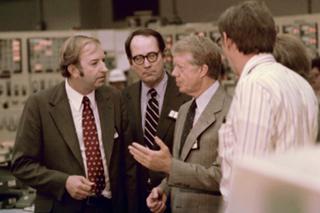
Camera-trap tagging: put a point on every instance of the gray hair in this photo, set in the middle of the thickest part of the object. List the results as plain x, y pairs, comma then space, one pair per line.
203, 51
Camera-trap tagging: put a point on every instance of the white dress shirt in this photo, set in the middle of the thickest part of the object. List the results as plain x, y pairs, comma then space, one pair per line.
203, 100
75, 101
273, 110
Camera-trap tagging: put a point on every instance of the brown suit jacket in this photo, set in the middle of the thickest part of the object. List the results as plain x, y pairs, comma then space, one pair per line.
47, 150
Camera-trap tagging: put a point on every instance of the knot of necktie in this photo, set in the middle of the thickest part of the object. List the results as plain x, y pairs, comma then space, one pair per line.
193, 106
86, 100
152, 92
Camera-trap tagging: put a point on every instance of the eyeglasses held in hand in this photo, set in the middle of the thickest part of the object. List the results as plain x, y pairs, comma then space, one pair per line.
151, 57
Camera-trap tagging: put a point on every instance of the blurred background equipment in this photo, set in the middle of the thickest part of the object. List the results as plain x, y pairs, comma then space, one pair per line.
283, 183
117, 79
12, 193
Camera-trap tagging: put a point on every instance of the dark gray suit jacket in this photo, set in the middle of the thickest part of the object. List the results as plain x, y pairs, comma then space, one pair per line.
173, 99
47, 150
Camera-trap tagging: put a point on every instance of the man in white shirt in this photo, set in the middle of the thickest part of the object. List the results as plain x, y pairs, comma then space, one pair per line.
68, 145
193, 171
273, 109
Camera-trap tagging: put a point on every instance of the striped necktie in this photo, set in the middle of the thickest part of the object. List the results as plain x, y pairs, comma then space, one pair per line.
151, 120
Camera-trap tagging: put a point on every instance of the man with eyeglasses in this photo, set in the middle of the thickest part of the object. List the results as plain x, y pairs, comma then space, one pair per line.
152, 103
193, 168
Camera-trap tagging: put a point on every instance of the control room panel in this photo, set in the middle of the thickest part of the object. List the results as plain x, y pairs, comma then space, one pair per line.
29, 61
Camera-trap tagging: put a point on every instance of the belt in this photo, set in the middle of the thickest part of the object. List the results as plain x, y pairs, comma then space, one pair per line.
99, 201
199, 191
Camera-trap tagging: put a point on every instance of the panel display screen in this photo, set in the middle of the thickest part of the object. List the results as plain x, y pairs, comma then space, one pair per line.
10, 57
44, 54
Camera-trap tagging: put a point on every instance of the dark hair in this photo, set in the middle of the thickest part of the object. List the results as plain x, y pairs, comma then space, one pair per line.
71, 50
315, 63
250, 25
291, 52
203, 50
144, 32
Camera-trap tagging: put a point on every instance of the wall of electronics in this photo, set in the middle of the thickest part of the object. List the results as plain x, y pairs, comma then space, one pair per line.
306, 27
29, 60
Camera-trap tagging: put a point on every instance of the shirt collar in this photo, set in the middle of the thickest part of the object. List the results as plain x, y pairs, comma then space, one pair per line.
75, 98
160, 88
203, 100
255, 61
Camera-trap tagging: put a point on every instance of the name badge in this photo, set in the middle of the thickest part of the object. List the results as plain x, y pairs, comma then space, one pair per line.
173, 114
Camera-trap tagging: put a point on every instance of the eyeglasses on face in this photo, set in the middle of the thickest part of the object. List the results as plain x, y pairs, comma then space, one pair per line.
151, 57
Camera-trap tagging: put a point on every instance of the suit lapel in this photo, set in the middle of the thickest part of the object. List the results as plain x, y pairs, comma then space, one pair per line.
171, 94
179, 128
206, 119
133, 94
61, 115
106, 115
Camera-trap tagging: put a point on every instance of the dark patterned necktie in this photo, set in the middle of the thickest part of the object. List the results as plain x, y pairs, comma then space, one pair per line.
92, 149
151, 120
188, 123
